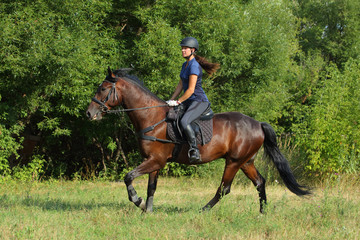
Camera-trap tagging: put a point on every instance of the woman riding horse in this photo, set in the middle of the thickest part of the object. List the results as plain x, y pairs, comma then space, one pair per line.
236, 138
194, 98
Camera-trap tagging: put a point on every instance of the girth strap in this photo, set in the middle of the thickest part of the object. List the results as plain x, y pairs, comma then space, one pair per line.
142, 135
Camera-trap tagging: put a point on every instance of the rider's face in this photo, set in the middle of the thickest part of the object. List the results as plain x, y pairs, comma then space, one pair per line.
186, 51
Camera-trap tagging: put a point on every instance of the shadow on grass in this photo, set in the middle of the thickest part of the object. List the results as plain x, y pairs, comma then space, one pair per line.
63, 205
58, 204
169, 209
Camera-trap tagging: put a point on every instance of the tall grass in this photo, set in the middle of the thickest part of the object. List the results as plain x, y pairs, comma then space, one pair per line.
101, 210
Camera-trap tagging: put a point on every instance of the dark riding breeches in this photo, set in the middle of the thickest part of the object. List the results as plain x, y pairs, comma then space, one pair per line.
193, 112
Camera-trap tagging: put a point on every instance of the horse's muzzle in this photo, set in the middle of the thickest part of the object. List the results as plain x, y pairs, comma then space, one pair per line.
94, 113
88, 114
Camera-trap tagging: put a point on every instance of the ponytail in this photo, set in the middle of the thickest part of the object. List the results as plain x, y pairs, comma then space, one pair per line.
209, 67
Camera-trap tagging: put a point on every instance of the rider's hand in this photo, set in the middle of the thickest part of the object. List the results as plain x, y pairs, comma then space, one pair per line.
172, 103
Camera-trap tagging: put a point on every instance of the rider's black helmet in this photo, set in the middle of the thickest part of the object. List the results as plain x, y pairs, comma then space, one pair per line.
190, 42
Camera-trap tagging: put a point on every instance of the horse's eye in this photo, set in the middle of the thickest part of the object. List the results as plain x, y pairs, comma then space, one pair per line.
103, 89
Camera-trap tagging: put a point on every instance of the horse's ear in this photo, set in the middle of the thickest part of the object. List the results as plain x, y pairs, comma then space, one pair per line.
111, 74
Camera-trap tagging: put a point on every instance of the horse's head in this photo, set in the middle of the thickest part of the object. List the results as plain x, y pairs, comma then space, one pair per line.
105, 98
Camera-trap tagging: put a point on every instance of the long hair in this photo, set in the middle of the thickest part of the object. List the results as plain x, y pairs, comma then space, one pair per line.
209, 67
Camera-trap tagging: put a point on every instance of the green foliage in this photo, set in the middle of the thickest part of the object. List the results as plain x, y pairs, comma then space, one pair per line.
8, 146
331, 134
158, 57
330, 26
53, 55
177, 170
32, 171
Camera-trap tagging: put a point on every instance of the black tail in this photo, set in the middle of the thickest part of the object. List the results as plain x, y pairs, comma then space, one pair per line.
272, 150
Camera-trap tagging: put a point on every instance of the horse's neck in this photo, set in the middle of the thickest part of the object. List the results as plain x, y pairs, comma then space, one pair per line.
134, 97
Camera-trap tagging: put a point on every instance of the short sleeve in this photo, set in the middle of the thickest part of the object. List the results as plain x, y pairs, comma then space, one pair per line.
195, 69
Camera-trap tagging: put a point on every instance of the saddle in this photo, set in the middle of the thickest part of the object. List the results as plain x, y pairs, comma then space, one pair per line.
203, 126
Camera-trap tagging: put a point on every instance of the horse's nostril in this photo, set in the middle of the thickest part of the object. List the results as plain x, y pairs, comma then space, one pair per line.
88, 114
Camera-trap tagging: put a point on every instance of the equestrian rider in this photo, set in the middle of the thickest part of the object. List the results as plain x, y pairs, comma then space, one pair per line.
194, 98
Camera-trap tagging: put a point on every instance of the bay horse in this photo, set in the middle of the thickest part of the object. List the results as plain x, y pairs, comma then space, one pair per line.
236, 138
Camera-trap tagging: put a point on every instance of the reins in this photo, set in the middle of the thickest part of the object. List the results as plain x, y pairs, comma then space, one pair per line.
134, 109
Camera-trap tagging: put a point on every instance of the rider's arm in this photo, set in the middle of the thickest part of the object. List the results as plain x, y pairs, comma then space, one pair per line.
177, 91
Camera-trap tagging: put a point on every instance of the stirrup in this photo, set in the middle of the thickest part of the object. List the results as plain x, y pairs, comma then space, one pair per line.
194, 155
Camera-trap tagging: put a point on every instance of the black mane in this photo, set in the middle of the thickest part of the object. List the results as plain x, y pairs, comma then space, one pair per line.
123, 73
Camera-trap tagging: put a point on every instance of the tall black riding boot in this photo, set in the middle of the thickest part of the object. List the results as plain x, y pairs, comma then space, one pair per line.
194, 154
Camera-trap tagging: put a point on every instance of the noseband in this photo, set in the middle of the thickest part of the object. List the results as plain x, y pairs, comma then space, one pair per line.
103, 107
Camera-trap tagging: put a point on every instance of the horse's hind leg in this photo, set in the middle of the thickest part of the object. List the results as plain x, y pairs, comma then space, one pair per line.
252, 173
230, 171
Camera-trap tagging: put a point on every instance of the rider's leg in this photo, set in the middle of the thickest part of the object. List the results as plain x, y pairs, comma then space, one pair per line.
194, 154
192, 113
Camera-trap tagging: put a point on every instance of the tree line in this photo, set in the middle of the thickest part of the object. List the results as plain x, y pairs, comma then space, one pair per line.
294, 64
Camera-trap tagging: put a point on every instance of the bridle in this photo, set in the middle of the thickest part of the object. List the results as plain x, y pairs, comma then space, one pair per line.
141, 134
105, 109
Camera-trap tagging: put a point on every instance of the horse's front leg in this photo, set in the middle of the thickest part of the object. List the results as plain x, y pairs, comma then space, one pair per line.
148, 166
151, 190
132, 194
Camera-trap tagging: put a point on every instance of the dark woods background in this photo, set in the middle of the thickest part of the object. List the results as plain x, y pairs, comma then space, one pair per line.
294, 64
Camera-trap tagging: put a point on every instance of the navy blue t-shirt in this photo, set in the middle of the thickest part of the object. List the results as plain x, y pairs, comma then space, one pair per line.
193, 68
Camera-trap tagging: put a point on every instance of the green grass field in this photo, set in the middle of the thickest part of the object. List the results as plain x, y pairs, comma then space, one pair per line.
101, 210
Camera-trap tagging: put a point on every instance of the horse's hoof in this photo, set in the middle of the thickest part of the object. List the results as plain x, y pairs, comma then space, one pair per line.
142, 205
205, 209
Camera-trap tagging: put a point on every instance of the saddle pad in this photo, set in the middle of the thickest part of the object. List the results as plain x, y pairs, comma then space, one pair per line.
202, 137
